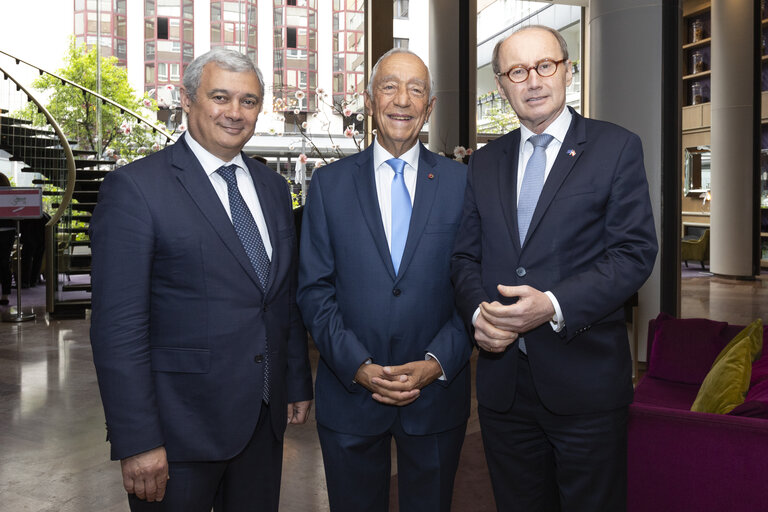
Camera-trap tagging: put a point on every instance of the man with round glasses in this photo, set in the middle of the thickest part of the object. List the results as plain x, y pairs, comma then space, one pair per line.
557, 233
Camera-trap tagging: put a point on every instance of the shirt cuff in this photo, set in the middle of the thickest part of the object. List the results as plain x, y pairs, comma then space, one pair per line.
474, 316
557, 322
429, 356
367, 361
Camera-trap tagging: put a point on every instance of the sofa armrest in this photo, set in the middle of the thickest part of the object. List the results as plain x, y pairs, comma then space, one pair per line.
682, 460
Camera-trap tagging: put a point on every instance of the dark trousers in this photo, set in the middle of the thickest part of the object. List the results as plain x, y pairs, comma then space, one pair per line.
248, 482
540, 461
357, 469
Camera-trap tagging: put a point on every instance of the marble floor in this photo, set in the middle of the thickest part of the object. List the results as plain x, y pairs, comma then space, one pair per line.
53, 455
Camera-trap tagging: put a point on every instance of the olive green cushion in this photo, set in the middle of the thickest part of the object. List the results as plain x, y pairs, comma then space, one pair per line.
726, 384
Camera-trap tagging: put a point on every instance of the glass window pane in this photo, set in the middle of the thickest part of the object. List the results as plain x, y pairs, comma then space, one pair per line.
106, 23
301, 38
168, 7
149, 7
149, 73
189, 32
121, 27
174, 31
215, 12
189, 53
229, 33
149, 50
215, 33
354, 21
149, 29
79, 23
162, 72
121, 49
175, 72
295, 17
91, 23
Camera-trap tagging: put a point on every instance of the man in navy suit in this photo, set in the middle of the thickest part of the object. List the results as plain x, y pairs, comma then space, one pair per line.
198, 344
541, 274
375, 293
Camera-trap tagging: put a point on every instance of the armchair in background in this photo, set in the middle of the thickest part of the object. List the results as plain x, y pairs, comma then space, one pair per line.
697, 250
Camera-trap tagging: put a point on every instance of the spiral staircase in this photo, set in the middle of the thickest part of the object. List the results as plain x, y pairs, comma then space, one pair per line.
70, 180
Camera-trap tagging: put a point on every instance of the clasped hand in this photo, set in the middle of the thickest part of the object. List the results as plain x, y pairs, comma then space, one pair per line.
497, 325
397, 385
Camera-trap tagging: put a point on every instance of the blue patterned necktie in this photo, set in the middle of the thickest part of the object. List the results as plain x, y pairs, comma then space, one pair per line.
248, 233
533, 182
401, 212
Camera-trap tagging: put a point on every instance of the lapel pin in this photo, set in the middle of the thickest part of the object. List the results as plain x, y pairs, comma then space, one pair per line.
430, 176
571, 152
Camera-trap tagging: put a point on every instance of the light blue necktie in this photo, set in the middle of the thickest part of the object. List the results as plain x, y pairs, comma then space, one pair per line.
533, 182
248, 233
401, 212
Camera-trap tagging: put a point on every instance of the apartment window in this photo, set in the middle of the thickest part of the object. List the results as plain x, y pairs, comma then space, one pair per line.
401, 9
162, 72
401, 42
162, 28
175, 73
290, 37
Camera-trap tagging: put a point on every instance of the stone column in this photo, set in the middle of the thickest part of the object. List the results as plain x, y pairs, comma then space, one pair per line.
453, 64
732, 93
625, 87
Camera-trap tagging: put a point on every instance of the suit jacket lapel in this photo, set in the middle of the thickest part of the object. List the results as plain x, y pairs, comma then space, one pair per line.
508, 183
365, 183
269, 209
192, 177
426, 190
570, 151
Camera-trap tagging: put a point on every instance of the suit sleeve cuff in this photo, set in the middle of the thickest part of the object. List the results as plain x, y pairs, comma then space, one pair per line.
429, 356
557, 322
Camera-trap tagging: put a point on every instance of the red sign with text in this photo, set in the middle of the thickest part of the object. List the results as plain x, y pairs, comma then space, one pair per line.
21, 203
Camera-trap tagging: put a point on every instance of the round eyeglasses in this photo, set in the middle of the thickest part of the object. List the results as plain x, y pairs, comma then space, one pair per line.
544, 68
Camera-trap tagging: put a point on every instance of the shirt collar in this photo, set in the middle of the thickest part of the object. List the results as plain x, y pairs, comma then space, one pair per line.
381, 155
557, 129
210, 162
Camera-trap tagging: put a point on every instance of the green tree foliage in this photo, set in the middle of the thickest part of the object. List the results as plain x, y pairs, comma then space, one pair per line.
502, 120
77, 111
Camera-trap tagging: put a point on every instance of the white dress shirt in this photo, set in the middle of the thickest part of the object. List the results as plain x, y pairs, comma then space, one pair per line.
384, 175
211, 164
557, 129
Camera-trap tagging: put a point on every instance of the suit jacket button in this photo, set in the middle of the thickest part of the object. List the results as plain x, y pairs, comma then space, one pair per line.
396, 292
520, 271
259, 358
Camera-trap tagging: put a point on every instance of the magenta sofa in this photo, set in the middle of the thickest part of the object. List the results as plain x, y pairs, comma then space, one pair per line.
680, 460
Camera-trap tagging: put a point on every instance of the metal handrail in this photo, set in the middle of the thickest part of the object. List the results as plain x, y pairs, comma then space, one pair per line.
71, 174
155, 129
